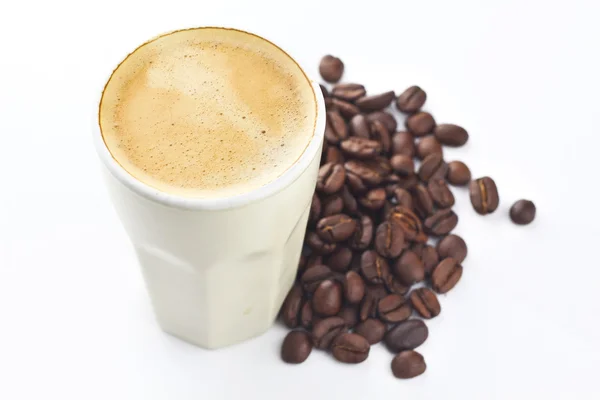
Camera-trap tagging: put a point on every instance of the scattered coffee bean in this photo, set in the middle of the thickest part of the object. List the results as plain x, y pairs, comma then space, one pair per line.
401, 197
290, 310
350, 348
409, 268
384, 117
425, 303
355, 183
407, 335
458, 173
350, 316
440, 193
427, 146
430, 258
331, 178
348, 91
347, 109
402, 164
306, 315
324, 90
325, 330
296, 347
359, 127
313, 276
433, 166
374, 199
442, 222
332, 205
452, 246
411, 100
451, 135
340, 259
336, 228
420, 124
408, 221
422, 201
365, 170
354, 287
371, 329
331, 68
408, 364
389, 239
313, 260
403, 143
315, 209
360, 147
446, 275
394, 286
334, 155
373, 267
327, 299
375, 102
393, 309
350, 204
368, 307
484, 195
338, 130
380, 134
522, 212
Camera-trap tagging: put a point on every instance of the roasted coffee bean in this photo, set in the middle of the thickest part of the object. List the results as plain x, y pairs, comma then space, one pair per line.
381, 165
331, 68
348, 91
334, 155
442, 222
407, 335
522, 212
425, 303
318, 245
314, 259
420, 124
302, 260
373, 267
354, 287
371, 329
409, 268
362, 148
411, 100
393, 309
440, 193
403, 143
430, 258
446, 275
331, 178
401, 197
432, 167
290, 310
364, 233
324, 90
340, 259
402, 164
375, 102
427, 146
377, 290
355, 183
296, 347
348, 110
452, 246
408, 221
458, 173
350, 204
386, 118
327, 299
315, 209
350, 348
313, 276
380, 134
359, 127
374, 199
332, 205
451, 135
368, 307
394, 286
408, 182
389, 240
306, 315
336, 228
338, 129
408, 364
484, 195
367, 171
422, 201
325, 330
350, 316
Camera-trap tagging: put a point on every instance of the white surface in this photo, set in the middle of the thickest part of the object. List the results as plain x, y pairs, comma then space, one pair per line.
75, 321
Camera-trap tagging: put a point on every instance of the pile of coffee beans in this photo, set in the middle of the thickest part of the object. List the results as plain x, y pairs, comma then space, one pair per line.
379, 246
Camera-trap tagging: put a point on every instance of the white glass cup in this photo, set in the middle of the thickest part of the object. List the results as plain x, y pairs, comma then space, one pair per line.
217, 270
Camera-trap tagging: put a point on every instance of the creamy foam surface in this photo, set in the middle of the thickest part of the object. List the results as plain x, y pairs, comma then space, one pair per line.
207, 112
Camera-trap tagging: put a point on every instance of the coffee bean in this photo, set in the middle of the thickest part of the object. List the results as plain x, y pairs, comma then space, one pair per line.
313, 260
331, 178
355, 183
386, 118
350, 348
451, 135
365, 170
458, 173
362, 148
338, 129
394, 286
359, 127
377, 290
374, 199
427, 146
296, 347
350, 204
348, 91
306, 315
411, 100
393, 309
420, 124
368, 307
354, 287
348, 110
408, 221
389, 240
401, 197
440, 193
403, 143
325, 330
331, 68
433, 166
313, 276
318, 245
336, 228
425, 303
452, 246
375, 102
422, 201
324, 90
350, 316
364, 233
373, 267
315, 209
408, 364
380, 134
339, 260
430, 258
334, 155
371, 329
441, 222
409, 268
522, 212
290, 310
484, 195
408, 182
331, 205
402, 164
407, 335
446, 275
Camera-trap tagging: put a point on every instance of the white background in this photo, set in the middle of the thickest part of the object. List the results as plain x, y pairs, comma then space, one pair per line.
521, 76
